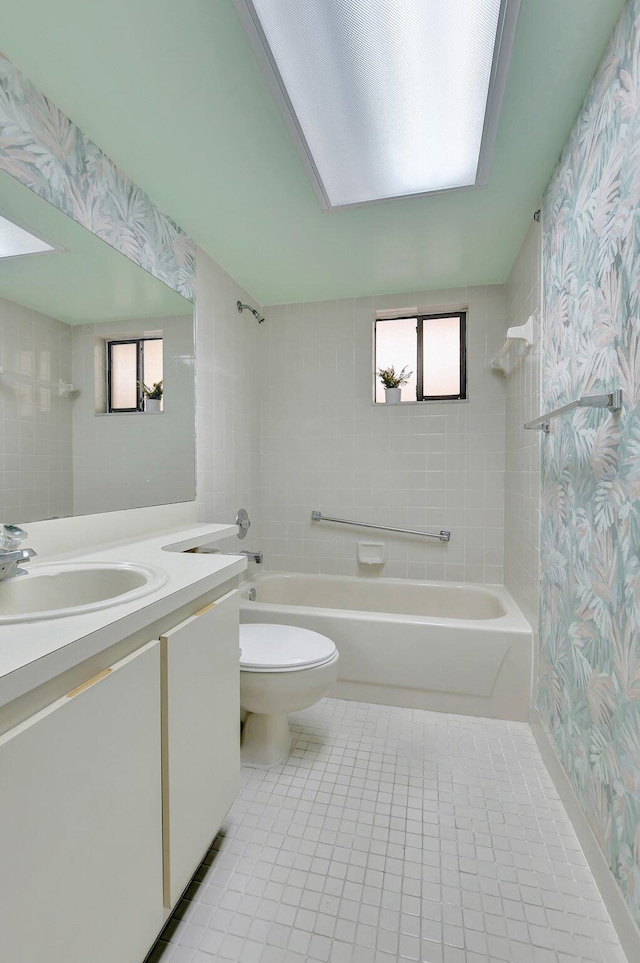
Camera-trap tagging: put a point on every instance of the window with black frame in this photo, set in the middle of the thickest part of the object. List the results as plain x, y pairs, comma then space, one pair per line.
424, 353
134, 373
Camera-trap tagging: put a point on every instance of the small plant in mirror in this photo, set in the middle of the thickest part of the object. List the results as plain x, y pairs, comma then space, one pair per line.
392, 379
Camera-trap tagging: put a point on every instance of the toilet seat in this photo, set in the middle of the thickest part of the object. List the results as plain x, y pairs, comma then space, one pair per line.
267, 647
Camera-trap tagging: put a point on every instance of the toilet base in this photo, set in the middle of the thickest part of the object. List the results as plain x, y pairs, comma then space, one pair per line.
266, 739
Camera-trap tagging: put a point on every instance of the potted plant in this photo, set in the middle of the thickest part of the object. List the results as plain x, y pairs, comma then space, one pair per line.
152, 396
393, 382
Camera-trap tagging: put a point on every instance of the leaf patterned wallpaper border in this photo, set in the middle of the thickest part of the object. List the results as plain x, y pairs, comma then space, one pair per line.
45, 151
589, 673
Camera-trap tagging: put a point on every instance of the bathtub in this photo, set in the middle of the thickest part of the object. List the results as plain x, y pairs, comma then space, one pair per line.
424, 645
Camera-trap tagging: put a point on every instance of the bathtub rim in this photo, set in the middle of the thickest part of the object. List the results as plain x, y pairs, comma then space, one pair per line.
512, 619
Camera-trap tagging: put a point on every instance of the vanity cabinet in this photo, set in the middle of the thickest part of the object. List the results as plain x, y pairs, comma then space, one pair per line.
200, 735
114, 780
81, 821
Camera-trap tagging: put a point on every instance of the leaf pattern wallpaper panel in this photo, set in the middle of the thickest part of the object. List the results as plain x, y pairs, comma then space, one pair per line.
589, 674
44, 150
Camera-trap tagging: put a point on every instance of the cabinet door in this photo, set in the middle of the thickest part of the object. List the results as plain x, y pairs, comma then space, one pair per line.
201, 735
80, 822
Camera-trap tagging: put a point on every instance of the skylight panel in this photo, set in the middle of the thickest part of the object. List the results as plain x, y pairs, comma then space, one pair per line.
386, 98
16, 241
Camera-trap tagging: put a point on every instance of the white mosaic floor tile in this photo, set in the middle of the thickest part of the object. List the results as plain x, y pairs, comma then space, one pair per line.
395, 834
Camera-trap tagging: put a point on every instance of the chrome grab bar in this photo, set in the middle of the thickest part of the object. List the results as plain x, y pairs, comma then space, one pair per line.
612, 401
444, 536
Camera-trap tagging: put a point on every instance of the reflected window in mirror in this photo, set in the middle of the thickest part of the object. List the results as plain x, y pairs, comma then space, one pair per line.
64, 452
134, 374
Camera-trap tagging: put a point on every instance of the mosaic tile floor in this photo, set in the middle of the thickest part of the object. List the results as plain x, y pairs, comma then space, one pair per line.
395, 834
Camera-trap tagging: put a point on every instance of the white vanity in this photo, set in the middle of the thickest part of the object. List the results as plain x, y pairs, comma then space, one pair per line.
119, 754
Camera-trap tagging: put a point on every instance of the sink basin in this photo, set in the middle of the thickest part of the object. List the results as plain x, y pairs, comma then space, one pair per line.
59, 589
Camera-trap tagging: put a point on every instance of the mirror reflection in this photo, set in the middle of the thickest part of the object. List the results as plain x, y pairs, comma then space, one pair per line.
97, 371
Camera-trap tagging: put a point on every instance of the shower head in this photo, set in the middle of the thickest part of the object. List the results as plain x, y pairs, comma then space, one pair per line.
247, 307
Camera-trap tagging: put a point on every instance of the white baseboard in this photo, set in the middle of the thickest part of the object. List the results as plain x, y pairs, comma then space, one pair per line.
623, 921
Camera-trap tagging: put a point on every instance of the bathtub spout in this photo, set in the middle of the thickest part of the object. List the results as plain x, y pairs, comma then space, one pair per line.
257, 557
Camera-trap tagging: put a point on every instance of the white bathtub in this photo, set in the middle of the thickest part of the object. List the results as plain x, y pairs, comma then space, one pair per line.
424, 645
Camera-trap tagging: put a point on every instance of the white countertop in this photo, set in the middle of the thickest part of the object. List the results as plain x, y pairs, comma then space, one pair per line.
35, 652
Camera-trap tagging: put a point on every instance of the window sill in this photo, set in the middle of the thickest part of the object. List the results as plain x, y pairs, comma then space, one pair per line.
432, 401
125, 414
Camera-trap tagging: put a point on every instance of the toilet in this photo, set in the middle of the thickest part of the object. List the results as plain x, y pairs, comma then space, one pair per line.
283, 668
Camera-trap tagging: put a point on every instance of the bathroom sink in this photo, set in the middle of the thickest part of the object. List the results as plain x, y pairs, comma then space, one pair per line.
57, 590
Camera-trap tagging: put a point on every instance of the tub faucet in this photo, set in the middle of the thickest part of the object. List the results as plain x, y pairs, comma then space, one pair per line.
10, 554
256, 556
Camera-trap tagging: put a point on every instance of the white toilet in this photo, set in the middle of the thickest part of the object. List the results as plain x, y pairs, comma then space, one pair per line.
282, 668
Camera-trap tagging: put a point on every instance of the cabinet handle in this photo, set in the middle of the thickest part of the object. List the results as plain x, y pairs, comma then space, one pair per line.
211, 605
206, 608
89, 682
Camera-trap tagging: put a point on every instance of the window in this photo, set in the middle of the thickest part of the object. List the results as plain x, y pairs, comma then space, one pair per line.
130, 364
430, 346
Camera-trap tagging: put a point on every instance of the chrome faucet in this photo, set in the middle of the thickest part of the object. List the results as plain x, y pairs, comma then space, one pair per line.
256, 556
10, 555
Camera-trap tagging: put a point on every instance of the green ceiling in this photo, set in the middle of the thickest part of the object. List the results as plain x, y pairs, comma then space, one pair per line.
85, 281
172, 92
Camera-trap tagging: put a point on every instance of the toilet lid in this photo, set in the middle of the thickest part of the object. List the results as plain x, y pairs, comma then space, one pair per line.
269, 646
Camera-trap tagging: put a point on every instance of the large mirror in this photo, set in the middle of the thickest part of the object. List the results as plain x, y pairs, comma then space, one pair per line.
83, 333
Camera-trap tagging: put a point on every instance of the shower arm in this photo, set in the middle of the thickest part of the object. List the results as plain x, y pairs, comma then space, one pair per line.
247, 307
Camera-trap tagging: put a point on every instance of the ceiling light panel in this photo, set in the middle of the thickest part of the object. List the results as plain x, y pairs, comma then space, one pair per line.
386, 98
15, 241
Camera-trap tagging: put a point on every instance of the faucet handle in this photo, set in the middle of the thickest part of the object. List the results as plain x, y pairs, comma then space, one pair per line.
11, 536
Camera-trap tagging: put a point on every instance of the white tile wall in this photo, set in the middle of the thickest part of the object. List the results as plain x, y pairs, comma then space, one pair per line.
522, 496
326, 447
391, 835
133, 460
35, 461
230, 355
